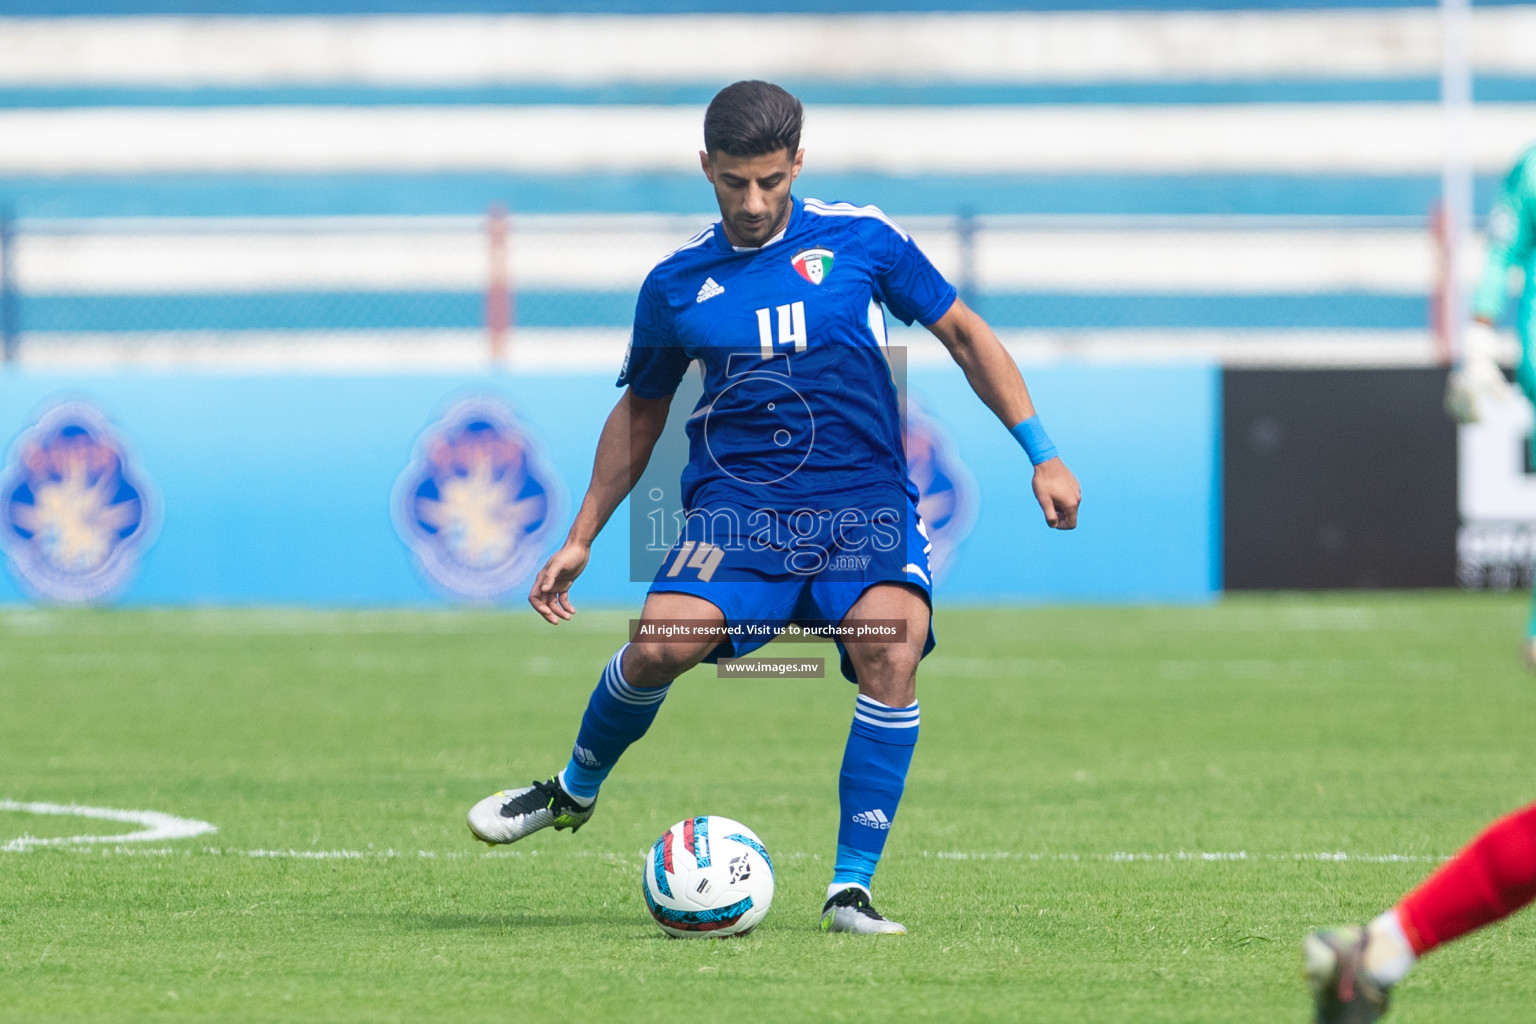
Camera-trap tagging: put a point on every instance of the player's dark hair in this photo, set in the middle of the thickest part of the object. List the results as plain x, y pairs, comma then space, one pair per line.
751, 119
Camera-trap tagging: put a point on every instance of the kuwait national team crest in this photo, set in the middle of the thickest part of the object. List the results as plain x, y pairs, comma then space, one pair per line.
76, 511
946, 492
813, 264
477, 502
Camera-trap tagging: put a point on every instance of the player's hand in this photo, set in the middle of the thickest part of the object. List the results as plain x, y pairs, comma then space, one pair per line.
550, 595
1477, 382
1058, 493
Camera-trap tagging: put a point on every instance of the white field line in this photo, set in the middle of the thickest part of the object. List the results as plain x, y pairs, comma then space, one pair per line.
1336, 857
1279, 138
158, 826
956, 47
1120, 857
31, 620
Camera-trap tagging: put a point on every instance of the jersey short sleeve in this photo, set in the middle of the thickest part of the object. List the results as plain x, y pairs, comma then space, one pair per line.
655, 363
906, 283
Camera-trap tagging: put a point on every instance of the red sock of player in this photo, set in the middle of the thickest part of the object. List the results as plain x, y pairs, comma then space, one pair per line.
1492, 878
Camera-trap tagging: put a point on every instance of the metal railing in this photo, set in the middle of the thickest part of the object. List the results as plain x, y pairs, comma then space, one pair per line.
509, 287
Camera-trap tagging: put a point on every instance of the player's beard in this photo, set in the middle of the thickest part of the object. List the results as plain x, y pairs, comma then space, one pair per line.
756, 233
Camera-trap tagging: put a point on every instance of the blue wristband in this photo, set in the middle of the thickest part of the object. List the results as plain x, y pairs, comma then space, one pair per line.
1034, 440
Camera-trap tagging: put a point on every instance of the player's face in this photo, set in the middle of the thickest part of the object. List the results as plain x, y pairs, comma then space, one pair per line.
753, 192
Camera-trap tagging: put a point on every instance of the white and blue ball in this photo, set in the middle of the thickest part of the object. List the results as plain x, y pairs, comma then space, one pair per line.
708, 878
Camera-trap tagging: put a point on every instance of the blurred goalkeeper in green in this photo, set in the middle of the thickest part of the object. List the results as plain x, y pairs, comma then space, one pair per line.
1477, 382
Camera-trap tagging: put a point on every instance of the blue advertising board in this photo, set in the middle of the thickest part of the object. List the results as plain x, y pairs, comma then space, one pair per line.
201, 488
1143, 442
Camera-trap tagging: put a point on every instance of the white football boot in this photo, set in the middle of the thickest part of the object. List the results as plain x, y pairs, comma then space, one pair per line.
511, 814
850, 911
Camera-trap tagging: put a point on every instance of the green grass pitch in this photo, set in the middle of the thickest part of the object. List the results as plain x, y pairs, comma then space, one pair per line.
1077, 766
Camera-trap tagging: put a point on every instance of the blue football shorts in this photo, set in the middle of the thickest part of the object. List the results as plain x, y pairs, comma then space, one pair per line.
768, 569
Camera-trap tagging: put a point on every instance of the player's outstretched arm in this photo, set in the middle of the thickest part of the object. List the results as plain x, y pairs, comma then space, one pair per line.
997, 382
623, 450
1476, 383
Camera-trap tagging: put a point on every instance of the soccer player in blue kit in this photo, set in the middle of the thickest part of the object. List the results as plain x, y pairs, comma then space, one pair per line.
796, 496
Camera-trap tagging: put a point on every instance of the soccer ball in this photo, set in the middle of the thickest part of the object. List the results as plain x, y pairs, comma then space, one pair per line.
708, 878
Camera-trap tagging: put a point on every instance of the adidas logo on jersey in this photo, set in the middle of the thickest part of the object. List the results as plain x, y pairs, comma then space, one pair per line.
873, 819
709, 290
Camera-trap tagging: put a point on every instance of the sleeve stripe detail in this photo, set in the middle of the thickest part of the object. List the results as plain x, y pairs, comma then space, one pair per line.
692, 243
822, 209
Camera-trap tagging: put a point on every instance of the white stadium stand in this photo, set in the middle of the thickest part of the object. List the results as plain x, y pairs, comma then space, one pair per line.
1247, 185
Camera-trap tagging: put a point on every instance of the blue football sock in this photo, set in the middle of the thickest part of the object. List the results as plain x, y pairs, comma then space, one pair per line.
616, 716
875, 762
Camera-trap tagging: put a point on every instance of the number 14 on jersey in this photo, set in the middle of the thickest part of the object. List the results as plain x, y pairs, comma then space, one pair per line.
791, 328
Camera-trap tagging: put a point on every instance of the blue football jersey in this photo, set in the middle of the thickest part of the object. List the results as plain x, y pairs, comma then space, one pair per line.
800, 410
